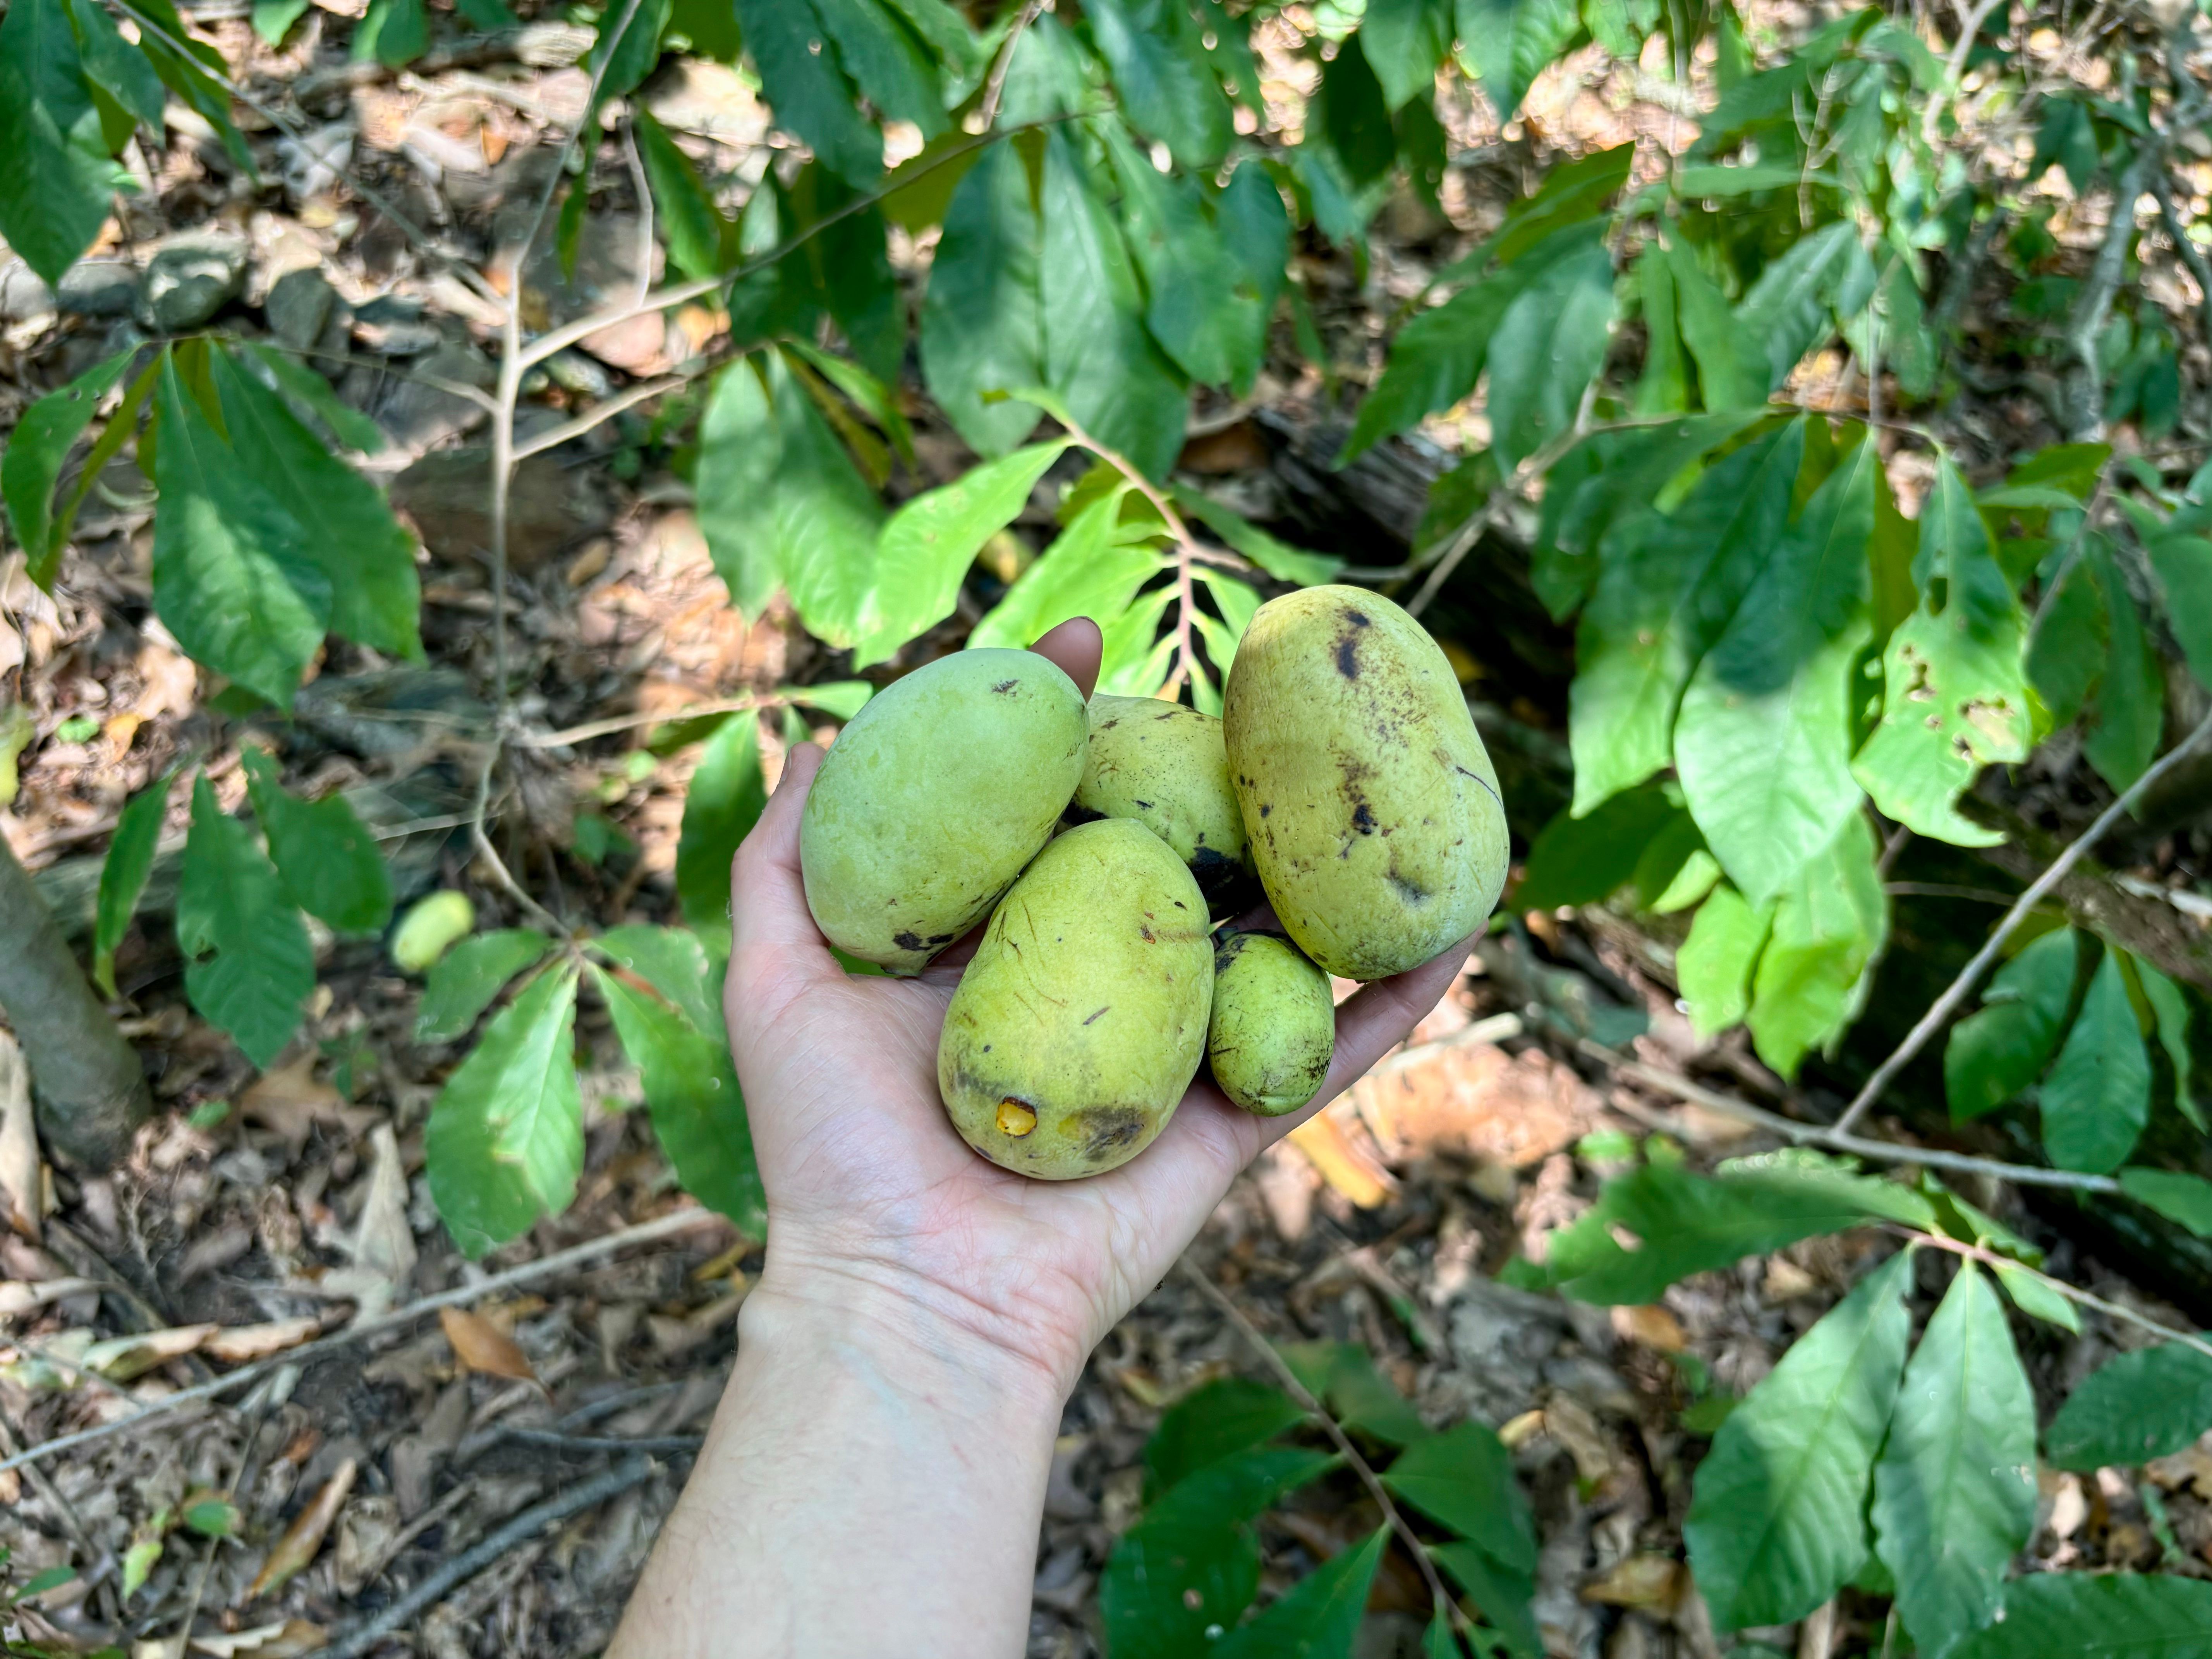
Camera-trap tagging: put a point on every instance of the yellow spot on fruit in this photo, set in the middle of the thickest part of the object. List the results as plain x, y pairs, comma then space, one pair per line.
1015, 1119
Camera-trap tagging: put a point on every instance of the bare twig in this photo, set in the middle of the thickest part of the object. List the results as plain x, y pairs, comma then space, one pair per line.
652, 1445
597, 415
613, 723
1532, 467
1970, 30
645, 1232
98, 1562
2085, 413
987, 111
1954, 996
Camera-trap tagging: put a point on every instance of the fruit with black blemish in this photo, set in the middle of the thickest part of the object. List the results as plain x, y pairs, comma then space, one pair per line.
1273, 1031
1164, 766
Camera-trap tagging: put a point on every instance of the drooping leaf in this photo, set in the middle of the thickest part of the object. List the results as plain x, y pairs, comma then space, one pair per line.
1777, 1522
1256, 232
116, 68
55, 189
505, 1139
2128, 708
1715, 963
1342, 1375
32, 465
2097, 1098
2036, 1298
2170, 1009
1085, 573
330, 863
2185, 1199
1463, 1479
1663, 388
1550, 344
725, 800
691, 1091
983, 328
1954, 1492
1997, 1052
1193, 302
806, 86
2151, 1403
700, 242
1223, 1418
627, 47
2093, 1615
1500, 1595
1317, 1618
1829, 924
1168, 91
1349, 123
1277, 558
672, 960
887, 60
2069, 643
248, 964
1793, 306
123, 875
2184, 567
464, 981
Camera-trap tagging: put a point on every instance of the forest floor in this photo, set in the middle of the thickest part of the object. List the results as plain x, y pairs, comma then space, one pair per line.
263, 1211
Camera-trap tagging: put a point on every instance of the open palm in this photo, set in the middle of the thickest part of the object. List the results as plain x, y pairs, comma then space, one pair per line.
870, 1188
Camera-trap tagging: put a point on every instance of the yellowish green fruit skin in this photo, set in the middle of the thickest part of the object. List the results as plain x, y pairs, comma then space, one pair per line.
1273, 1031
933, 798
432, 926
1166, 766
1082, 1020
1371, 805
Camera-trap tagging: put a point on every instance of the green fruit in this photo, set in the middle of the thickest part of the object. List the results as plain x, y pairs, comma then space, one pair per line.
431, 927
1082, 1019
1164, 766
1274, 1028
933, 798
1374, 813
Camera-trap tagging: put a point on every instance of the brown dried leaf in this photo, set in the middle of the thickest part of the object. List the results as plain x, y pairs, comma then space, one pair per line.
20, 1182
291, 1102
289, 1640
1345, 1162
17, 1297
383, 1244
482, 1346
304, 1537
119, 1358
243, 1342
1647, 1581
1474, 1100
1652, 1325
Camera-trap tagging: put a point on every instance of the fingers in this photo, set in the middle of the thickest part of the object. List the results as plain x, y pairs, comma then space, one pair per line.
769, 923
1075, 648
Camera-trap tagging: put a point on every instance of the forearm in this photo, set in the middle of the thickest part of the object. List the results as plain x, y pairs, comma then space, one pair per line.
856, 1495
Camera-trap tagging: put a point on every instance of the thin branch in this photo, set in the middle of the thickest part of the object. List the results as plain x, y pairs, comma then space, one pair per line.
645, 1232
1955, 997
597, 415
1969, 32
2085, 416
1358, 1465
987, 111
613, 723
2071, 1292
1532, 467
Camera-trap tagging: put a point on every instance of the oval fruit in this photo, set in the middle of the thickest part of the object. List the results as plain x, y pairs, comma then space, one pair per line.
432, 926
933, 798
1082, 1019
1165, 766
1273, 1031
1374, 813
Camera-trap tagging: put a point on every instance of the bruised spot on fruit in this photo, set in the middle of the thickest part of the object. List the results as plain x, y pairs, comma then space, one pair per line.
1266, 809
1146, 804
1411, 892
1094, 1017
1005, 686
1147, 933
1347, 658
909, 940
942, 939
1105, 1130
1363, 818
1017, 1117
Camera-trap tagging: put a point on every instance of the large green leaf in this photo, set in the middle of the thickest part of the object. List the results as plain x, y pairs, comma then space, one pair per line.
2184, 567
248, 963
2129, 710
1192, 1564
2184, 1200
55, 188
1317, 1618
887, 60
1168, 91
1583, 860
691, 1093
806, 88
983, 328
1954, 1492
1220, 1419
1829, 925
1464, 1479
1665, 590
32, 464
1550, 344
2151, 1403
1956, 694
927, 546
1510, 41
1196, 298
116, 68
1763, 741
1997, 1053
464, 981
2097, 1098
1086, 572
331, 865
2069, 642
1777, 1517
2099, 1615
123, 875
1793, 306
1714, 966
231, 579
505, 1139
700, 242
1343, 1376
1404, 41
726, 797
674, 961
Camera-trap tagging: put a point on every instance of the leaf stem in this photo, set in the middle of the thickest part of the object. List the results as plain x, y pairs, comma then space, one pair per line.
987, 111
2072, 1293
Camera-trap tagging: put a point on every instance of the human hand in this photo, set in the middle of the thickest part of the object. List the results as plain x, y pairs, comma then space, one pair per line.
877, 1206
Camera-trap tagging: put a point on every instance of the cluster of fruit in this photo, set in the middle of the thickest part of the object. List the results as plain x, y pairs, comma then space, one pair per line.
1345, 775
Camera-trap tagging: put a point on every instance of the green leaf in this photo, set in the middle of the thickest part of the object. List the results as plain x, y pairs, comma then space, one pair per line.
698, 1111
700, 242
1134, 662
1665, 591
505, 1139
55, 190
1192, 1562
1714, 964
2097, 1098
464, 981
1085, 573
248, 964
1277, 558
1404, 41
1351, 118
727, 795
2182, 565
1571, 193
1763, 740
1663, 388
1777, 1522
353, 429
1500, 1595
32, 464
1955, 694
2129, 711
1792, 307
983, 328
231, 579
392, 33
2185, 1199
1954, 1492
331, 865
1463, 1479
1995, 1054
1317, 1618
1168, 91
674, 962
1510, 41
114, 68
138, 1562
1221, 1419
624, 53
1828, 926
1731, 366
123, 875
1586, 860
886, 60
841, 699
2068, 646
2097, 1615
1550, 344
2151, 1403
807, 88
2035, 1298
927, 546
1255, 230
1343, 1375
1194, 304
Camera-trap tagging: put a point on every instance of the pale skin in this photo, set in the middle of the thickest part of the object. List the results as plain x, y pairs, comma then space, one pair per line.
874, 1478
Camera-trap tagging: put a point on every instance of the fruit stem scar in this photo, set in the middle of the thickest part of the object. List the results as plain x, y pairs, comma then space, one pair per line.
1016, 1117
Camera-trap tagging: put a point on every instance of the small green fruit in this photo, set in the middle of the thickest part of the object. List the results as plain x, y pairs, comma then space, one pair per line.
1374, 813
933, 798
1082, 1020
1273, 1028
431, 927
1165, 766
